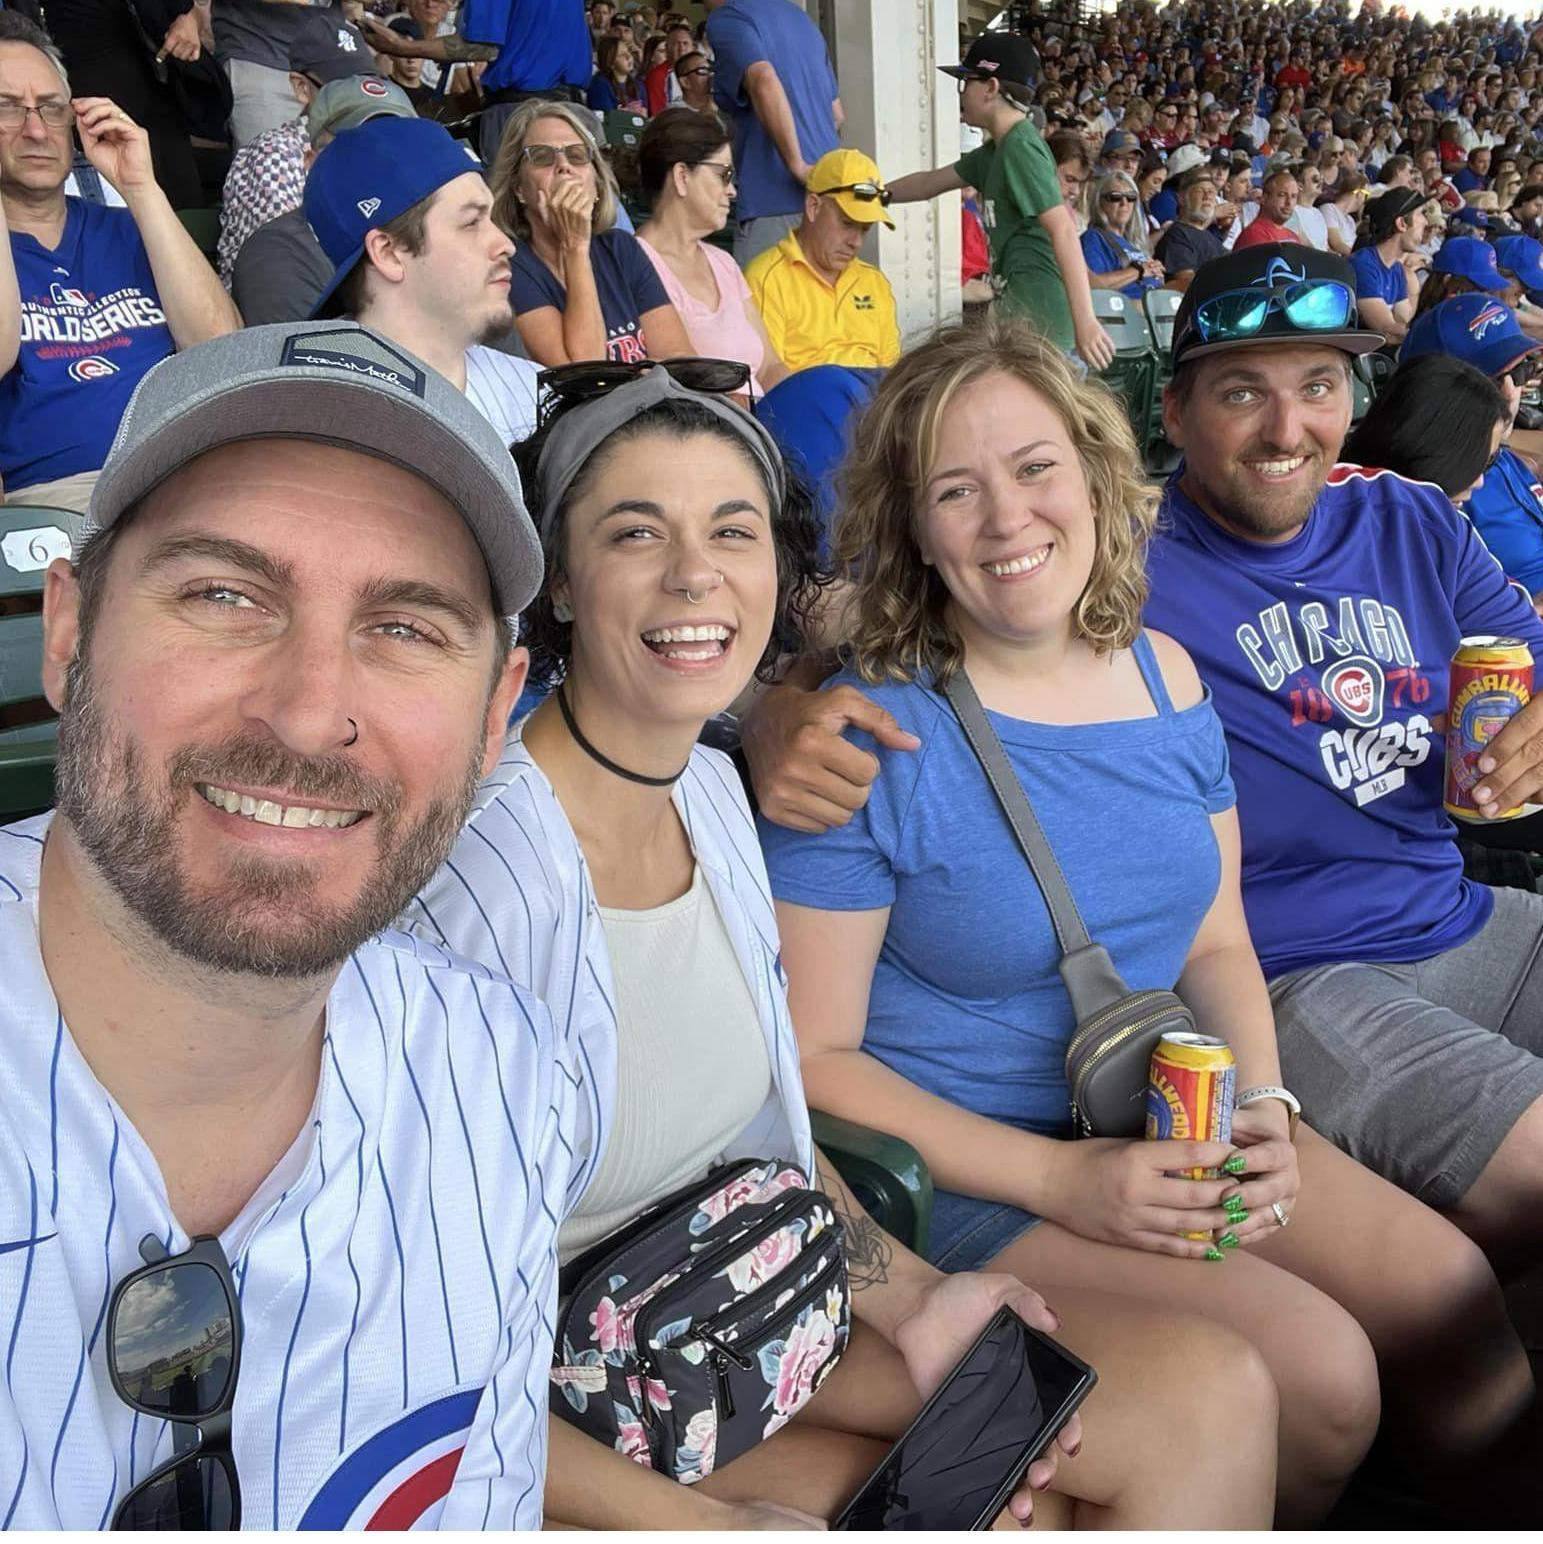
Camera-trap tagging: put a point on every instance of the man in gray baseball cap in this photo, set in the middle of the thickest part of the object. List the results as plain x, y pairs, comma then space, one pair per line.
283, 665
268, 254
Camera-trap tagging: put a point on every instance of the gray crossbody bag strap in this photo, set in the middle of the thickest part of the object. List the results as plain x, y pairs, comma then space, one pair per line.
1091, 980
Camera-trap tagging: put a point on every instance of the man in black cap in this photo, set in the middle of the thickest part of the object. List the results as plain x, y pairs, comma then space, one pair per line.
1322, 604
1036, 258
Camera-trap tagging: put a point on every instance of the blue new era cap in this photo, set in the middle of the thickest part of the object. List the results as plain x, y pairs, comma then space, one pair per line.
367, 177
1478, 329
1467, 257
1522, 256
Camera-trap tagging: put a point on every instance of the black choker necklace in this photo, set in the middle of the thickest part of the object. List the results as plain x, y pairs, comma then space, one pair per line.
605, 761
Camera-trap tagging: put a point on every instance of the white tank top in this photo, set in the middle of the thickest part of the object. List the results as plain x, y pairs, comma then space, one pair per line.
692, 1070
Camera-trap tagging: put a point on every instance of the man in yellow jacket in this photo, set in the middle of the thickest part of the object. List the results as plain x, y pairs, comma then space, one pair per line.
821, 303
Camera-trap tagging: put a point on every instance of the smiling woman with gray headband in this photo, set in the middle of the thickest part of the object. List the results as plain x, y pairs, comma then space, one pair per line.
610, 863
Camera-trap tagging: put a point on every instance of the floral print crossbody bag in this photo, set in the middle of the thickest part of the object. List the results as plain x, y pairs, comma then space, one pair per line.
697, 1330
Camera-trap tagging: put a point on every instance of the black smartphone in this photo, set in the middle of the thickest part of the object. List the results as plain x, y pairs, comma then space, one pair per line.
966, 1452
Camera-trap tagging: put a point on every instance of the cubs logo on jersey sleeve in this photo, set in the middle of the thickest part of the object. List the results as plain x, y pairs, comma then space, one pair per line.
399, 1478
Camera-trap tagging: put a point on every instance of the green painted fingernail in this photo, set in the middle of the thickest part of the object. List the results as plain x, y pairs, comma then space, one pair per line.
1212, 1253
1237, 1214
1236, 1164
1228, 1240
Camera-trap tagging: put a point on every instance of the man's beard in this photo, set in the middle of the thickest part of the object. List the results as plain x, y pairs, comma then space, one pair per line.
262, 920
1256, 511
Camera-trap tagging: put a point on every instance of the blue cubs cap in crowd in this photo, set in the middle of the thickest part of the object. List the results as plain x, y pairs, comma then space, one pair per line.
367, 177
1468, 215
1522, 256
1467, 257
1478, 329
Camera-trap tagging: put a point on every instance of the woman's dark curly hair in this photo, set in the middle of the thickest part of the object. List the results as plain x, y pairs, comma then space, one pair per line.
795, 530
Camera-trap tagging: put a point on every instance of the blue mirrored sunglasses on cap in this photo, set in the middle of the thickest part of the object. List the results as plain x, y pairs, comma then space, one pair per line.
1312, 305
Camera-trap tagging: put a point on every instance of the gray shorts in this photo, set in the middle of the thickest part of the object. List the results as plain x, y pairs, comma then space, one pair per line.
1418, 1071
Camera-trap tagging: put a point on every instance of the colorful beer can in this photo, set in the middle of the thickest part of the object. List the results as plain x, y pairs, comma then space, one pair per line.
1190, 1092
1491, 684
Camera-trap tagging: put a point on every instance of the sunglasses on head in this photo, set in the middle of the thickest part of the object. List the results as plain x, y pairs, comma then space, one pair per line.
543, 156
590, 378
1311, 305
173, 1353
863, 192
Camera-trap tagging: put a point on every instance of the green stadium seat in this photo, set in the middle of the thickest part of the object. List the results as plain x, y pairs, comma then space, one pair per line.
624, 129
31, 537
1133, 374
203, 225
885, 1172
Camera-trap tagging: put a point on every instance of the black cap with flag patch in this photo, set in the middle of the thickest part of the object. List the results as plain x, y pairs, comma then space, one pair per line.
998, 56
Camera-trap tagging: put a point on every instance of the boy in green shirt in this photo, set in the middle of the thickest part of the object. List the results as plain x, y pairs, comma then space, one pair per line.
1035, 254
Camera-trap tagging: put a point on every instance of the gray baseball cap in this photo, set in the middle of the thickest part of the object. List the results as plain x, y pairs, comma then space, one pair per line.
355, 99
338, 384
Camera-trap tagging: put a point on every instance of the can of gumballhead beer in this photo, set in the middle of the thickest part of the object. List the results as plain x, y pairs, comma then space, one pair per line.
1191, 1087
1491, 684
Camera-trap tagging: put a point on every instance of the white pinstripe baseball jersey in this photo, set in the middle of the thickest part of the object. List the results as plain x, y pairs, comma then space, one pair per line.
516, 895
503, 389
396, 1271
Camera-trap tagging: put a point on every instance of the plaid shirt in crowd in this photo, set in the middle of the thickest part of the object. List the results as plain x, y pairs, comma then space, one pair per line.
265, 180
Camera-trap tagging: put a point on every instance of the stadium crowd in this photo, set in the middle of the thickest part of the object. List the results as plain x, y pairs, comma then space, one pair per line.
515, 803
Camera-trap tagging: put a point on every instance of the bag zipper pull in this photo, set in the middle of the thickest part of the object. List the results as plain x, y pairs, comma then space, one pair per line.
722, 1348
645, 1405
720, 1366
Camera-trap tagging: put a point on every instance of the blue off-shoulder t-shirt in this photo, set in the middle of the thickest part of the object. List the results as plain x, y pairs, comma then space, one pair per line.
967, 1001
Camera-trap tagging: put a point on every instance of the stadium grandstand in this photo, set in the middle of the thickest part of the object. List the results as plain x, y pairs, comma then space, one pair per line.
557, 557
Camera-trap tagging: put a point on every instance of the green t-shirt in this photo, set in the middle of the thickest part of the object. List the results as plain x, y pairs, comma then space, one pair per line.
1017, 184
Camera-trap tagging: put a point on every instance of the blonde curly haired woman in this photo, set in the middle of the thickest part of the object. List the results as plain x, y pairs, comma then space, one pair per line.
995, 523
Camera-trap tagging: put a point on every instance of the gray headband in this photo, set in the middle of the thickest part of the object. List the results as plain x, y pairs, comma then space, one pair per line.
582, 430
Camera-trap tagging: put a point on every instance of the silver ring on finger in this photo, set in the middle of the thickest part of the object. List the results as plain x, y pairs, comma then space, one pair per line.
1282, 1216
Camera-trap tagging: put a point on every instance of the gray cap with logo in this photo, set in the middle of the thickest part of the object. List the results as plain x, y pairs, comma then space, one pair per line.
355, 99
338, 384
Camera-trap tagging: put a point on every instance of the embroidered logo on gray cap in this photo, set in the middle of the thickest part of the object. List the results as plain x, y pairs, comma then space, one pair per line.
357, 353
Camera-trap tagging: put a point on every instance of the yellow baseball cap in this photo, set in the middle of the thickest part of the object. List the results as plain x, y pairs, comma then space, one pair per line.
856, 184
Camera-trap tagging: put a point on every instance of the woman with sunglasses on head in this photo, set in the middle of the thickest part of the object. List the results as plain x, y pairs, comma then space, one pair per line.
1114, 245
611, 862
686, 167
580, 289
996, 523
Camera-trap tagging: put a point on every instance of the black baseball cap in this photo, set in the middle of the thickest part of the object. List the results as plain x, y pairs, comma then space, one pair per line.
998, 56
1272, 268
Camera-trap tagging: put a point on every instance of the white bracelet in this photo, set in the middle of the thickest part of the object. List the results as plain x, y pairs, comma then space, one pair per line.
1273, 1091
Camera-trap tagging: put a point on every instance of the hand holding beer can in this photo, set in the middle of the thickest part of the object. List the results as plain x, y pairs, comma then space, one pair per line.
1191, 1089
1491, 683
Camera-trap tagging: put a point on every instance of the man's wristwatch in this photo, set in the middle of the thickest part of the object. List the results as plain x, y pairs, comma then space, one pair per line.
1273, 1091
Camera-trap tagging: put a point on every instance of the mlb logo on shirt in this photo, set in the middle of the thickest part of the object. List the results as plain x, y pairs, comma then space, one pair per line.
61, 296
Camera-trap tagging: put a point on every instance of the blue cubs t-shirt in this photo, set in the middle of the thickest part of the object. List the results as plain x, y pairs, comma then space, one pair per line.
967, 999
1328, 655
91, 326
1107, 252
1507, 508
628, 285
740, 33
1374, 280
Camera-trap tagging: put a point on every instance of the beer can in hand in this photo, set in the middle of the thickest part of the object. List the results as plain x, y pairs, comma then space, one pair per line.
1191, 1087
1491, 684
